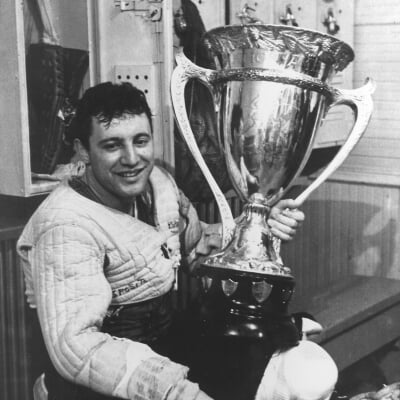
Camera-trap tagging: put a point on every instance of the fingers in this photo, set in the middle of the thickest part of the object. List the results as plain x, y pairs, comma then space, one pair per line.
283, 230
288, 208
285, 218
288, 203
293, 217
208, 244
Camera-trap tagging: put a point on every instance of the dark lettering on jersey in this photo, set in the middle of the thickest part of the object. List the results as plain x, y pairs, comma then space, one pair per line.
166, 252
127, 288
172, 225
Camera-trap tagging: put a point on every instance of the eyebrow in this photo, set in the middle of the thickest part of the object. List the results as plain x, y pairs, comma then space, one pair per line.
118, 139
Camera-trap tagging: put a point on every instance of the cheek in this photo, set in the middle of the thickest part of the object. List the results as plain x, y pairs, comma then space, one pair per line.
148, 153
102, 163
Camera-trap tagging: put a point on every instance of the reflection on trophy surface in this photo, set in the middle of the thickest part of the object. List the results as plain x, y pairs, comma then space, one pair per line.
271, 90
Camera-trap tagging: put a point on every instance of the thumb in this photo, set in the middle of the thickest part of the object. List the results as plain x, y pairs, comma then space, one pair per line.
288, 203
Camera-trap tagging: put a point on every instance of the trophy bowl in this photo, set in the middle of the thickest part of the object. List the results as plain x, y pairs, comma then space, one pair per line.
270, 90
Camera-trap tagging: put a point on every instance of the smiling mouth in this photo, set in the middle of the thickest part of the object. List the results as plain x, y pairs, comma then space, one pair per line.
130, 174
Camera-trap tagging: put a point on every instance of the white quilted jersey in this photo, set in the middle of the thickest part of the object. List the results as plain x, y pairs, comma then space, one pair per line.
79, 257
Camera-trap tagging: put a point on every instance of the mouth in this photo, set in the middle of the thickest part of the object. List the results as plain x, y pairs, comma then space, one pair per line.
130, 174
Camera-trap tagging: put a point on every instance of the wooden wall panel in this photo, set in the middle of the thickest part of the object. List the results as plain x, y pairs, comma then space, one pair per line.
377, 47
377, 12
15, 374
349, 229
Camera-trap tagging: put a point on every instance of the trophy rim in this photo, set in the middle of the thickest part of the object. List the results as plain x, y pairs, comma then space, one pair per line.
343, 51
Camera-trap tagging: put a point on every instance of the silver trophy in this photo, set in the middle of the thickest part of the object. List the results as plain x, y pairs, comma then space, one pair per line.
270, 91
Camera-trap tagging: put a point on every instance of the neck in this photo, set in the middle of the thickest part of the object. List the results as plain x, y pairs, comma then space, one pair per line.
106, 197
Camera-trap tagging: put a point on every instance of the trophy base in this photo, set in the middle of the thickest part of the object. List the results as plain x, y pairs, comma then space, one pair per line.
257, 267
238, 320
243, 304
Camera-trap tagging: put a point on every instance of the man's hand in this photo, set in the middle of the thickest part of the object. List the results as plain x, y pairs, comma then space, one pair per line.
211, 240
285, 218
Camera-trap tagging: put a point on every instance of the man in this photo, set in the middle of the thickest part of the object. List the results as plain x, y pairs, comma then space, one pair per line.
99, 257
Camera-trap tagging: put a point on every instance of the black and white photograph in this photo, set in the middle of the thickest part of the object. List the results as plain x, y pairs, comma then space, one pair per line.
199, 200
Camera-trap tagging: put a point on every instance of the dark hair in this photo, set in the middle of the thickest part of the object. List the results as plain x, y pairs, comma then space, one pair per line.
105, 102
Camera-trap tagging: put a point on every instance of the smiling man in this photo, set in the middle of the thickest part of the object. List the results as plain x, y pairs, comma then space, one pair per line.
121, 159
100, 255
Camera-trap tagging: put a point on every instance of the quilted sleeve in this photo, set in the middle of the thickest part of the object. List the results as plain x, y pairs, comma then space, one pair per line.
72, 296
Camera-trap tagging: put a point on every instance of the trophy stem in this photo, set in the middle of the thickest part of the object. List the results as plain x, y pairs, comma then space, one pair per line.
252, 251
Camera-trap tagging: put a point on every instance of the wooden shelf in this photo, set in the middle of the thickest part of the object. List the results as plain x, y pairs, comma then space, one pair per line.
359, 315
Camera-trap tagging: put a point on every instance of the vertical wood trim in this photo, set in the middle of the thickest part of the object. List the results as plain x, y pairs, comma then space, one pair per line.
15, 374
14, 133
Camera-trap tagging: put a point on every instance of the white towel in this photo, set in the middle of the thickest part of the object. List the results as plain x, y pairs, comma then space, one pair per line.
304, 372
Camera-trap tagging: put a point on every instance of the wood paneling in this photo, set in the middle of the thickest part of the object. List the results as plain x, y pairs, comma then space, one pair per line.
349, 229
376, 159
372, 12
15, 373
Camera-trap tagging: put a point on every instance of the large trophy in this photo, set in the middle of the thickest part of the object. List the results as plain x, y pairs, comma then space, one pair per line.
271, 91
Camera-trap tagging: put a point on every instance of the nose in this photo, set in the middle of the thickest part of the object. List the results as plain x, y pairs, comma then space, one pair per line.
129, 155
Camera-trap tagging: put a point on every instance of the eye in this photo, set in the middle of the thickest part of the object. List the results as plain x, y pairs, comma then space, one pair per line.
110, 146
142, 140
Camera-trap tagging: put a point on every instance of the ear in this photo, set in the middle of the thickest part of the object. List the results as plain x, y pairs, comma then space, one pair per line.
81, 152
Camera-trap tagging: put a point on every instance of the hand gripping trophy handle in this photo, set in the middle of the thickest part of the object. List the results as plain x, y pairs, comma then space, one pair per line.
359, 100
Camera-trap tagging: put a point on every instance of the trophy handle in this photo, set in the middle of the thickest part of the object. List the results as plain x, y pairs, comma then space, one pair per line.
360, 101
184, 71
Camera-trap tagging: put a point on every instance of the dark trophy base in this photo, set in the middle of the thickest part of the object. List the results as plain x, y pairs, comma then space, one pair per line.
239, 320
235, 303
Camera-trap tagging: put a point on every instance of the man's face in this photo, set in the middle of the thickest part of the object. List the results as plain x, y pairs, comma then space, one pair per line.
122, 155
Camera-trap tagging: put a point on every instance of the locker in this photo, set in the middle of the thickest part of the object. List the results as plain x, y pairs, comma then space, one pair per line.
126, 40
17, 28
133, 41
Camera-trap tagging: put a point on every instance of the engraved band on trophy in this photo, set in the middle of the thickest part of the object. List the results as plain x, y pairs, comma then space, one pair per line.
270, 91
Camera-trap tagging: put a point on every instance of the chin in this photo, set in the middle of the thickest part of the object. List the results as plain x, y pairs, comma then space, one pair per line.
130, 193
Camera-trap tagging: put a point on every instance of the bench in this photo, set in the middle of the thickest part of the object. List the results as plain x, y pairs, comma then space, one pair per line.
359, 314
